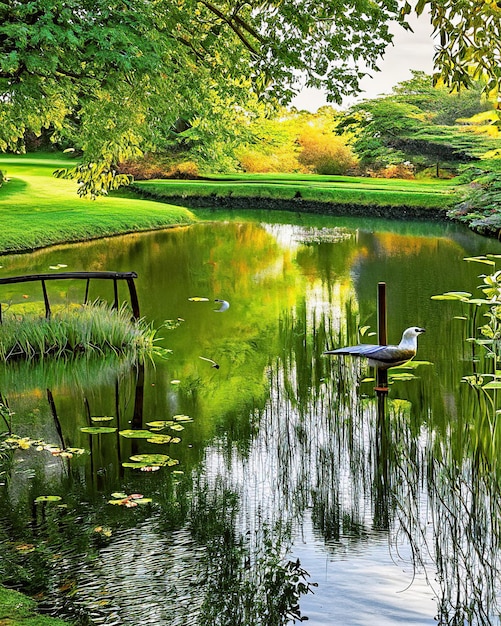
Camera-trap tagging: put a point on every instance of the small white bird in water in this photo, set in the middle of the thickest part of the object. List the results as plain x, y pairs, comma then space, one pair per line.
224, 305
385, 357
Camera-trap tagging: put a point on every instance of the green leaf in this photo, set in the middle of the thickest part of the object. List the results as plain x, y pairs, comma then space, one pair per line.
48, 499
479, 259
160, 424
136, 434
152, 459
494, 384
98, 430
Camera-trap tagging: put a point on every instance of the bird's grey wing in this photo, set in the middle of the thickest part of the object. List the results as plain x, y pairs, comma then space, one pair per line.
390, 355
385, 354
361, 350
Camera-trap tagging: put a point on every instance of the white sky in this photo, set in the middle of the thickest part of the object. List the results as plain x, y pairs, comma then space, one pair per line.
410, 51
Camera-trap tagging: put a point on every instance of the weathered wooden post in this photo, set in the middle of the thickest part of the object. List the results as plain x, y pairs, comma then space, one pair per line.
381, 374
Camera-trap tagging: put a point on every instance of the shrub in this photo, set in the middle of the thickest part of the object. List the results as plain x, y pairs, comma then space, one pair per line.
185, 170
325, 153
256, 162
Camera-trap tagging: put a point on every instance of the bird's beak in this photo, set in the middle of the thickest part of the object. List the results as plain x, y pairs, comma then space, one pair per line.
422, 330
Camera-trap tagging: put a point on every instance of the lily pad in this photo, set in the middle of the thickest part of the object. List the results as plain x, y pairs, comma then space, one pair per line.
198, 299
136, 434
154, 459
177, 427
182, 418
160, 424
160, 439
48, 499
151, 459
98, 430
102, 418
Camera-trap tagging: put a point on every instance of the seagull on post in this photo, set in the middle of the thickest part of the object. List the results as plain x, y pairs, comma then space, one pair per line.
385, 357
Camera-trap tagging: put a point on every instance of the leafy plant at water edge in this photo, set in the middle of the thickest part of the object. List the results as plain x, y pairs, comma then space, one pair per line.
95, 328
486, 378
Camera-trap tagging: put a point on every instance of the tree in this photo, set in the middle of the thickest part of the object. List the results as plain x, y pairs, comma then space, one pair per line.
445, 107
470, 41
406, 126
111, 78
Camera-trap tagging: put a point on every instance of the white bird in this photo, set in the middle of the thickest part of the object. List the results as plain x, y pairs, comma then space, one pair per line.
385, 357
224, 305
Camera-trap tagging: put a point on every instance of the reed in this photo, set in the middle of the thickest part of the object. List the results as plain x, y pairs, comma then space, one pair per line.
89, 329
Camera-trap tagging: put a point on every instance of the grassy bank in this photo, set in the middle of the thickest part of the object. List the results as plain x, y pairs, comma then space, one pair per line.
338, 190
38, 210
19, 610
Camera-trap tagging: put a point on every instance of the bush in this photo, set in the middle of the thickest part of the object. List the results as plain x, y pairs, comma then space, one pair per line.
255, 162
150, 167
185, 170
325, 153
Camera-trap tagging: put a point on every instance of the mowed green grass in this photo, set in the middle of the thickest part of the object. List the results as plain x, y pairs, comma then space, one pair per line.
39, 210
429, 193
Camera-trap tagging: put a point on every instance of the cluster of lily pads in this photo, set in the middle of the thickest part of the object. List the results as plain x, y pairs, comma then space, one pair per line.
14, 442
145, 462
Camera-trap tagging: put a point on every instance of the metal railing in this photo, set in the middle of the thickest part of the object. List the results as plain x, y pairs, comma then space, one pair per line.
115, 276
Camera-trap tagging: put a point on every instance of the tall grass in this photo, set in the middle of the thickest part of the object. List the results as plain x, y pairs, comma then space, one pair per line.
90, 329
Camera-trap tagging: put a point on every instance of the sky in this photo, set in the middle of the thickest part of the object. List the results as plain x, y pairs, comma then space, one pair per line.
410, 51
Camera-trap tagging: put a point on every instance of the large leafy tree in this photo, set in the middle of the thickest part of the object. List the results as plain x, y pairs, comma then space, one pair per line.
114, 78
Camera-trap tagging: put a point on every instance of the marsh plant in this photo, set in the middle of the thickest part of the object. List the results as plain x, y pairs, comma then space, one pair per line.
94, 328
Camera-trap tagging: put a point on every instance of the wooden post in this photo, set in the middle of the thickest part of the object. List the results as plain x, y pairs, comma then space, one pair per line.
46, 301
381, 374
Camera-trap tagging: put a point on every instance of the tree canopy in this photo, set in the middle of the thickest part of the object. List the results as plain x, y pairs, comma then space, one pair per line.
117, 77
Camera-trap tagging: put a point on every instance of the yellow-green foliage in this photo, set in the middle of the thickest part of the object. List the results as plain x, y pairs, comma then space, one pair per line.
325, 153
89, 329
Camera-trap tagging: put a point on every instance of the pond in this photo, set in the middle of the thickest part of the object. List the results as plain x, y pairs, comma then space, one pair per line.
248, 479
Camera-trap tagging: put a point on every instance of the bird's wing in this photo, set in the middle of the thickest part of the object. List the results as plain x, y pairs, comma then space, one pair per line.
385, 354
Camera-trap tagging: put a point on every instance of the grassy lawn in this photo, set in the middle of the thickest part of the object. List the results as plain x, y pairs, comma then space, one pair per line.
430, 193
38, 210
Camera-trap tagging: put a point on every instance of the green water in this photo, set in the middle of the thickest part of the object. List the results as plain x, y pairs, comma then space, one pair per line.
284, 456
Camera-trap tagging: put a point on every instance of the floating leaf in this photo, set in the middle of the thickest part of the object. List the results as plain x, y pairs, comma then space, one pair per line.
182, 418
177, 427
198, 299
402, 376
48, 499
102, 418
136, 434
151, 459
480, 259
160, 439
25, 548
118, 494
130, 501
97, 430
160, 424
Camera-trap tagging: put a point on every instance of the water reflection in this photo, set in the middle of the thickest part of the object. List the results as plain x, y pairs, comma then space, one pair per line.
287, 454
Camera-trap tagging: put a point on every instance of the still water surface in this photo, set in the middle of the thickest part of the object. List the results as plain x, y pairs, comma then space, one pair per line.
285, 455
